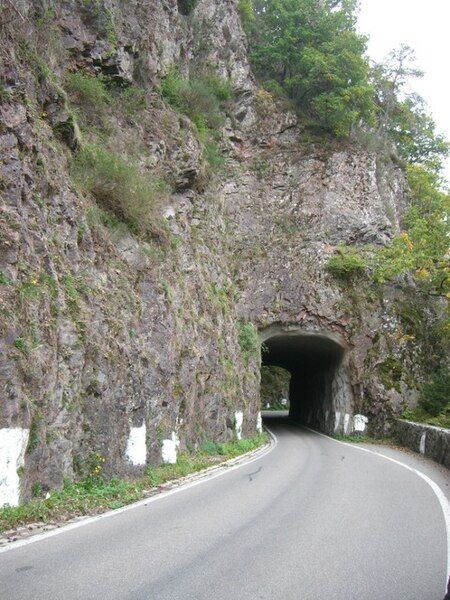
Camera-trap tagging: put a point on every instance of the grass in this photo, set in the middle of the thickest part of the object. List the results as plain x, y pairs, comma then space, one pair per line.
186, 6
203, 99
419, 415
346, 263
200, 98
120, 188
96, 494
95, 96
248, 340
4, 279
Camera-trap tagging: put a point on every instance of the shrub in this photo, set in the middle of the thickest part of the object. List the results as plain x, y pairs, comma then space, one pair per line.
346, 263
249, 340
245, 10
185, 7
4, 280
211, 151
87, 88
436, 394
132, 100
120, 188
202, 99
199, 98
90, 94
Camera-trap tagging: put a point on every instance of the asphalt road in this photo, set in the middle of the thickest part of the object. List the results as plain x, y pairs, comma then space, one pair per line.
312, 519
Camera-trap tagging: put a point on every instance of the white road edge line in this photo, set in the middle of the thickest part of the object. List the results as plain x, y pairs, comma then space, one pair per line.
218, 471
445, 506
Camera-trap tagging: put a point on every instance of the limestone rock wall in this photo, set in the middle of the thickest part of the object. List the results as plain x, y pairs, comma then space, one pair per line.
112, 349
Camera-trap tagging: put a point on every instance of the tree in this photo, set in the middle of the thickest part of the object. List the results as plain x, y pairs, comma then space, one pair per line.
423, 248
403, 117
312, 50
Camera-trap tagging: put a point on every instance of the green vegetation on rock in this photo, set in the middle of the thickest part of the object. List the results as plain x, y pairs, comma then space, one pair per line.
122, 189
186, 6
391, 371
422, 248
347, 262
249, 341
436, 394
200, 98
203, 99
312, 52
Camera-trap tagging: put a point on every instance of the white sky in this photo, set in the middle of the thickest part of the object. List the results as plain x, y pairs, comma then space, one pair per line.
425, 26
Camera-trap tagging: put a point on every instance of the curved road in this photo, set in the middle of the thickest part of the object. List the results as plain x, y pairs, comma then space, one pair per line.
311, 520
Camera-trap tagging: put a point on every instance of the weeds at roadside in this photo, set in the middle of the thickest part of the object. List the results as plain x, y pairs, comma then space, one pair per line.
96, 494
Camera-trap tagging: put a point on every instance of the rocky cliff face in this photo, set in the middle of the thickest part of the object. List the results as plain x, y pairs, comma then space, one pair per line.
115, 349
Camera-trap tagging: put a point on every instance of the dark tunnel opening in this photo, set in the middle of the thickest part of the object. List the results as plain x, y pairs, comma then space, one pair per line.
317, 389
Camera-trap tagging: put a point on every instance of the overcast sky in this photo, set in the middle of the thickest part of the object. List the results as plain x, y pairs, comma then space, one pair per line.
425, 26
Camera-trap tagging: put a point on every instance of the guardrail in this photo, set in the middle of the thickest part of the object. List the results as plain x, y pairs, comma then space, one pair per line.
432, 442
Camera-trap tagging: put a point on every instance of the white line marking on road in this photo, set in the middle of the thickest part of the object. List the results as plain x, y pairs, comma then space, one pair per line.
207, 475
445, 506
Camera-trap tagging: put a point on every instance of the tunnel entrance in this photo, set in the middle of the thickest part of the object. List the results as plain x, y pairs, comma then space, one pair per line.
319, 391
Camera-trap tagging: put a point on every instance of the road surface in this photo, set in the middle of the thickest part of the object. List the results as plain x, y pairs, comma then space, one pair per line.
311, 520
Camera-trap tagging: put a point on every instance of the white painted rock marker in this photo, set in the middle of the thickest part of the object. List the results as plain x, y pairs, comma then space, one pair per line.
259, 423
346, 422
360, 422
423, 440
136, 451
169, 449
337, 420
238, 421
13, 443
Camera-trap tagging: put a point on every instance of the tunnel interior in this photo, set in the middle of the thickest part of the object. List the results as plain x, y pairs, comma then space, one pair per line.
317, 385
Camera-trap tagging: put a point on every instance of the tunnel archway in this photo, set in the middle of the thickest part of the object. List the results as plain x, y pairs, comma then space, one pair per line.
319, 390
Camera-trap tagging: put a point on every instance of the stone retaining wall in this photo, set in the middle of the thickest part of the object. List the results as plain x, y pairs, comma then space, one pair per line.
432, 442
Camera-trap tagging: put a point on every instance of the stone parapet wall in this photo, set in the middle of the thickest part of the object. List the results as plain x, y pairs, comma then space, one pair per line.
432, 442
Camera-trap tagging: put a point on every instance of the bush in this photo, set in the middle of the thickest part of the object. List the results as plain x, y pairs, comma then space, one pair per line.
346, 263
436, 394
133, 100
314, 52
90, 94
87, 88
120, 188
249, 340
199, 98
245, 10
185, 7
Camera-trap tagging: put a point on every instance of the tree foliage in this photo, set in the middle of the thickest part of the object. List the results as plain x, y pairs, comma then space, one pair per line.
312, 51
436, 393
402, 116
423, 248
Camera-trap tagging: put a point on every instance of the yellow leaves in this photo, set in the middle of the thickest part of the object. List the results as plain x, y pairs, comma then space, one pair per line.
407, 241
422, 273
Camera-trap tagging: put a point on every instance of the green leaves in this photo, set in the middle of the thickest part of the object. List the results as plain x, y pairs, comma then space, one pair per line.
346, 263
315, 54
248, 340
402, 116
423, 247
